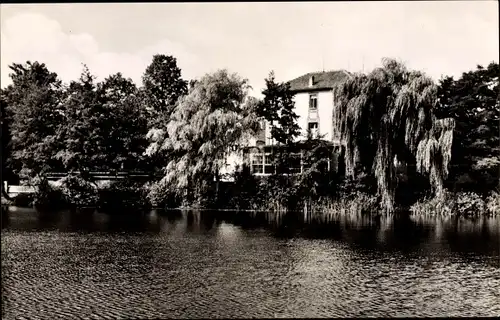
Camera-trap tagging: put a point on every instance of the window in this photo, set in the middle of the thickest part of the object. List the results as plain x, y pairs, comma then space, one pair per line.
295, 163
313, 128
313, 102
268, 163
313, 125
269, 135
257, 163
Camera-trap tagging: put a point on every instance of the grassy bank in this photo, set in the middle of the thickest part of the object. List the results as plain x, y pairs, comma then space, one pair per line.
263, 195
463, 204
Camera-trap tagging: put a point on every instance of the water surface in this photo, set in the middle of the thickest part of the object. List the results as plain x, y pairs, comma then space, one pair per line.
206, 265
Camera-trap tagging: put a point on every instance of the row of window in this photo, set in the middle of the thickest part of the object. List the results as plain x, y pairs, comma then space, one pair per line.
263, 164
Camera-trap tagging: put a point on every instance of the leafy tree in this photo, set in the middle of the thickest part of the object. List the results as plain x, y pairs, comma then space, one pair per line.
473, 101
207, 123
83, 148
162, 87
123, 130
316, 180
386, 116
105, 125
277, 109
5, 137
33, 106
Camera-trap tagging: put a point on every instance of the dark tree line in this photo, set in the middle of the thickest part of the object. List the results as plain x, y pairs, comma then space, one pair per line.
184, 130
83, 125
473, 101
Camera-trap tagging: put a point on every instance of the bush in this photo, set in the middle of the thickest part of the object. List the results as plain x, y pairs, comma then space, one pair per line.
269, 193
47, 196
462, 204
493, 203
124, 195
354, 205
242, 194
23, 200
78, 192
441, 206
468, 204
160, 195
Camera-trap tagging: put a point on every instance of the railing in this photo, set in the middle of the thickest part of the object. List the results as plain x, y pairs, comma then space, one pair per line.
100, 175
14, 190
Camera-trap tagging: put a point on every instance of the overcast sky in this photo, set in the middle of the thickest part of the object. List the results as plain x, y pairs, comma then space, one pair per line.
438, 37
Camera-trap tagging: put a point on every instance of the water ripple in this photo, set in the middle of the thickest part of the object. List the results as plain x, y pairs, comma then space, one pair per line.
230, 272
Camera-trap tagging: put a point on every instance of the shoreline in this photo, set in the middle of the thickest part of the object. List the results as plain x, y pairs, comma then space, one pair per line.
317, 214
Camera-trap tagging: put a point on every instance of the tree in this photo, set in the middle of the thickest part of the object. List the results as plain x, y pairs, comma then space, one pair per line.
473, 101
277, 109
34, 111
315, 181
163, 86
105, 124
82, 145
386, 116
207, 123
5, 138
123, 131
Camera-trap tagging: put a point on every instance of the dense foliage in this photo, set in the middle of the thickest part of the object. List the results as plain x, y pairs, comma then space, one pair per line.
474, 102
215, 116
387, 116
123, 195
33, 107
277, 108
79, 192
401, 134
105, 125
163, 86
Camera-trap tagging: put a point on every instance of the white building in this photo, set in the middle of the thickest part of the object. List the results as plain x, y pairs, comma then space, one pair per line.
314, 104
314, 101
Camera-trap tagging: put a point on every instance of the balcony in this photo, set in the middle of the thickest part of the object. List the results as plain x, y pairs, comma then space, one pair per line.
312, 114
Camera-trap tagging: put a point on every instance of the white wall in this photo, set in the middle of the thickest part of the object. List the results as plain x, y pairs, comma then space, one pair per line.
302, 110
325, 109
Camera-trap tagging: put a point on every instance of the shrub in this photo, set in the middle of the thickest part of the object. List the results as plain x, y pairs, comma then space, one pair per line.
160, 195
464, 204
23, 200
493, 203
468, 204
441, 206
124, 195
79, 192
363, 184
47, 196
354, 205
242, 194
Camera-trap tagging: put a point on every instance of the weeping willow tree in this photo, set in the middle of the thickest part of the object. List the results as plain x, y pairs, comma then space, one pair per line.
205, 127
386, 117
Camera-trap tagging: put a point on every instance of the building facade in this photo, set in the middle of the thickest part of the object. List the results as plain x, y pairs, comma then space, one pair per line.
314, 104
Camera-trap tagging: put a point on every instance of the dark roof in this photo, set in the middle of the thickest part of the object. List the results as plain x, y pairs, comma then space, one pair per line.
322, 80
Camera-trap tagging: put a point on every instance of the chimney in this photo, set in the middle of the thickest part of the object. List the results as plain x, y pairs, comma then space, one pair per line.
311, 81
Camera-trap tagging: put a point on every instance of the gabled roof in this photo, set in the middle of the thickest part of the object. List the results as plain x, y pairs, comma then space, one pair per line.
322, 80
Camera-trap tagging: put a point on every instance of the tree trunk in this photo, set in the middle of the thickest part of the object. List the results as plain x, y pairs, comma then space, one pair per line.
217, 181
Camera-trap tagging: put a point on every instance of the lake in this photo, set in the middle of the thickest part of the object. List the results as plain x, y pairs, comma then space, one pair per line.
171, 264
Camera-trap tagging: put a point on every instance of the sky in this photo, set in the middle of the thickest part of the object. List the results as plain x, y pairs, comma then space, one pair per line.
437, 37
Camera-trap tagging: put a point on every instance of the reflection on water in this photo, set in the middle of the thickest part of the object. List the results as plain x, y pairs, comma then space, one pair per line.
226, 264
